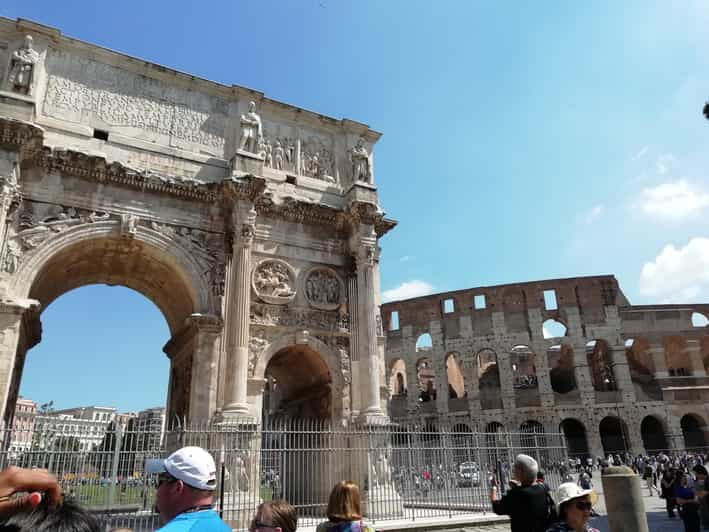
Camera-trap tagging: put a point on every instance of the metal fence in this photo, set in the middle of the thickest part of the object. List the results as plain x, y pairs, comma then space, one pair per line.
405, 471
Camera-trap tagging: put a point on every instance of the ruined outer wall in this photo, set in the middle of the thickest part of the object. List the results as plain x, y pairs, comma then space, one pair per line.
599, 323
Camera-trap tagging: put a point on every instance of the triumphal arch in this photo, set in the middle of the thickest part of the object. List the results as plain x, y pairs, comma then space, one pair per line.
253, 225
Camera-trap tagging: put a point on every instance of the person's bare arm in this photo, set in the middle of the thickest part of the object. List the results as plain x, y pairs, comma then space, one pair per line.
34, 482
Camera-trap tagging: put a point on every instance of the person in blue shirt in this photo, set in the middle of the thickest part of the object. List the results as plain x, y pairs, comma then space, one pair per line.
688, 505
186, 483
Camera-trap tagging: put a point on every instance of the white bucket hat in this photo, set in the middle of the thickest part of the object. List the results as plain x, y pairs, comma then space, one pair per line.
192, 465
570, 490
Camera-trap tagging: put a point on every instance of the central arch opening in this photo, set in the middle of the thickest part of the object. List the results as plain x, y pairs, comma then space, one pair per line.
298, 384
614, 435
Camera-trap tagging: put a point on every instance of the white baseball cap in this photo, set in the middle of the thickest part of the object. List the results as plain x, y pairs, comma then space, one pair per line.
192, 465
570, 490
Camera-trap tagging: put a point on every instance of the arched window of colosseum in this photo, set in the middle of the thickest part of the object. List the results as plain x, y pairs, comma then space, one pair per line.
397, 378
699, 320
463, 443
694, 432
424, 343
489, 380
524, 370
575, 435
456, 382
553, 329
495, 442
533, 441
653, 434
600, 364
642, 369
677, 357
426, 380
561, 368
614, 435
432, 449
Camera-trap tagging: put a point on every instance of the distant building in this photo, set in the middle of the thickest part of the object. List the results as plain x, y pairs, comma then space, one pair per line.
86, 424
23, 426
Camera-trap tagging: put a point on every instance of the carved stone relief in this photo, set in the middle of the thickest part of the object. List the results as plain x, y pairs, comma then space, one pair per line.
38, 222
20, 77
78, 87
206, 248
302, 318
323, 289
316, 159
258, 341
274, 281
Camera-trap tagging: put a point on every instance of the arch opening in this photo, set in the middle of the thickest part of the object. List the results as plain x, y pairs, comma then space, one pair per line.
298, 384
614, 435
426, 380
454, 373
489, 380
561, 372
553, 329
575, 435
397, 378
653, 434
155, 268
524, 369
642, 369
694, 430
533, 441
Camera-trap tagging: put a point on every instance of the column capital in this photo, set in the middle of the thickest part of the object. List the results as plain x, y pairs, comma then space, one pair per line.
244, 223
207, 323
10, 305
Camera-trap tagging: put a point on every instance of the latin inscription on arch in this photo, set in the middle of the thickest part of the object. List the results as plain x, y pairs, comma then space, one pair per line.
78, 87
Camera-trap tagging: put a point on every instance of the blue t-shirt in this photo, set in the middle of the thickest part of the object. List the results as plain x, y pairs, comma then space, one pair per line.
204, 521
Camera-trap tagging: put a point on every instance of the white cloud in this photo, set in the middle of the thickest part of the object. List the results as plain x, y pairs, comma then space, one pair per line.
407, 290
674, 201
677, 275
640, 153
663, 163
594, 213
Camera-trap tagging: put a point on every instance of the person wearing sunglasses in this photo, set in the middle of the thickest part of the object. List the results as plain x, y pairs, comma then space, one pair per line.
185, 489
274, 516
573, 504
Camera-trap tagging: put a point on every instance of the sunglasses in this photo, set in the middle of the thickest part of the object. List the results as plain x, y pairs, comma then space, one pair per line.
583, 505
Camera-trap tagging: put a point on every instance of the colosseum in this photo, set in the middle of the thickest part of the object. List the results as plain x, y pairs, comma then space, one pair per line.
569, 355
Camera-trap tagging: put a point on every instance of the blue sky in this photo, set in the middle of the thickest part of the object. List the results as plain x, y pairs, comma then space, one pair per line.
521, 141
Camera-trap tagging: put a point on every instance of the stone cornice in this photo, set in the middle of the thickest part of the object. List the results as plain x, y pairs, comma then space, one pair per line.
96, 168
18, 135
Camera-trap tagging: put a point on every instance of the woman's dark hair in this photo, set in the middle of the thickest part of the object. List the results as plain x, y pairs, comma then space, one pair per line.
69, 517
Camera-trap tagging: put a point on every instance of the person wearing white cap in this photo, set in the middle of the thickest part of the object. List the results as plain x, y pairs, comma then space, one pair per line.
186, 483
573, 504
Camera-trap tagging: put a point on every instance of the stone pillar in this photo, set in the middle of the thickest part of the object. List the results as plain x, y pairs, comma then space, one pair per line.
367, 313
352, 298
582, 373
541, 361
621, 372
472, 384
238, 306
207, 331
657, 352
624, 500
506, 381
694, 350
11, 313
593, 438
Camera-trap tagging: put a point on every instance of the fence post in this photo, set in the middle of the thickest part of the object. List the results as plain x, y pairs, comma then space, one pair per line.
114, 466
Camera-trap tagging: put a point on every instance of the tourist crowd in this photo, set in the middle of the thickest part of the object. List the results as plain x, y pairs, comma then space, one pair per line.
32, 500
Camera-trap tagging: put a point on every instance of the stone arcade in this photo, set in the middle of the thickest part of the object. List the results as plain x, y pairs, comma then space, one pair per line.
570, 355
253, 225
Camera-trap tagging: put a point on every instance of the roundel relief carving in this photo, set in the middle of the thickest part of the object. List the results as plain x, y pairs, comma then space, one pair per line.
274, 281
323, 289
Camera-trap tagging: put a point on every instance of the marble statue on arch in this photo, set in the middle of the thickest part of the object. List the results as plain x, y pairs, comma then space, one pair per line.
22, 65
251, 130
